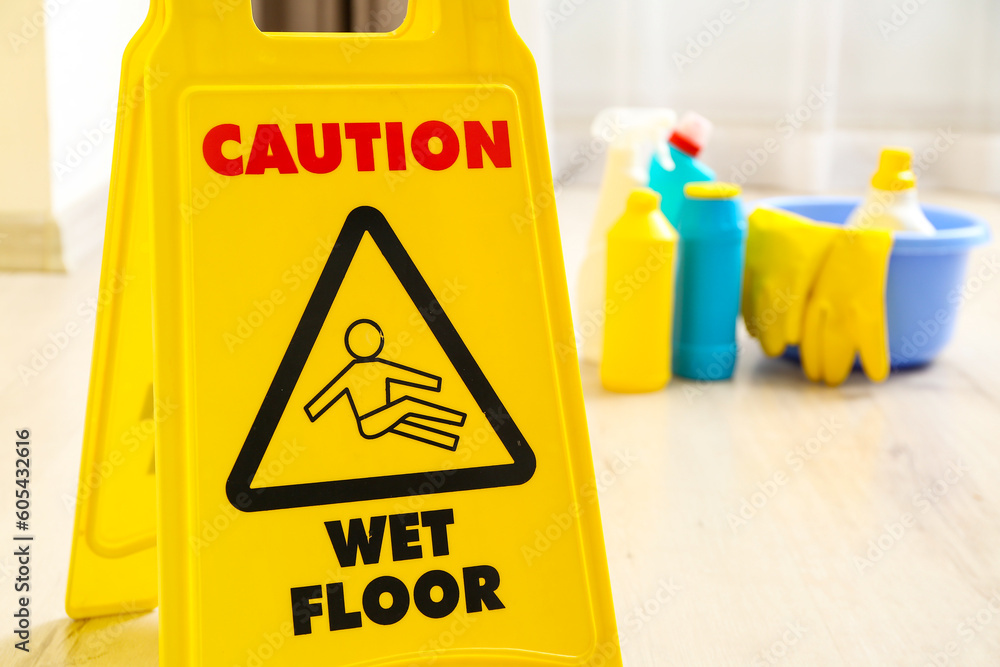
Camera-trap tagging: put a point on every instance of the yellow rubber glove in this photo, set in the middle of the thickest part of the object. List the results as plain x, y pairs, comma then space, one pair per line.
845, 315
784, 254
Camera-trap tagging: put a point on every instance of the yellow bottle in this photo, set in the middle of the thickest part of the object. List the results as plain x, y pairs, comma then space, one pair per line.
632, 136
640, 289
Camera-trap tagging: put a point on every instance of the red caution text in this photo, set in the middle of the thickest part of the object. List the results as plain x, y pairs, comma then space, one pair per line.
326, 147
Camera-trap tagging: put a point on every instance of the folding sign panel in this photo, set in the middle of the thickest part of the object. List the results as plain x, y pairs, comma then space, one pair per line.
113, 562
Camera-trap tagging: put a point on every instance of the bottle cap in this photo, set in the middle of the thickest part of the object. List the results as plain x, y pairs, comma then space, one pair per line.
643, 201
692, 133
894, 171
711, 190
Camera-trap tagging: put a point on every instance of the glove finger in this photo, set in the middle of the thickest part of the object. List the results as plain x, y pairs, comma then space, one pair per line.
873, 343
770, 324
811, 348
839, 352
797, 299
794, 316
806, 279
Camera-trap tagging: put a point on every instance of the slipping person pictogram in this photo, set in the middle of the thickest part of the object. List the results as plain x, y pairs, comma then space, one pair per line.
415, 418
378, 413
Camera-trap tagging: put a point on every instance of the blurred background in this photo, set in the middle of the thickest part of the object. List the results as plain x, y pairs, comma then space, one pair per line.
802, 92
735, 517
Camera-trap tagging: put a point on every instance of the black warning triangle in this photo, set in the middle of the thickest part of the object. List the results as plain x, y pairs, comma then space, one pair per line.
361, 220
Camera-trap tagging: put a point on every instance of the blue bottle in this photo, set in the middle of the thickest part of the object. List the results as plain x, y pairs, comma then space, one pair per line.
684, 145
712, 229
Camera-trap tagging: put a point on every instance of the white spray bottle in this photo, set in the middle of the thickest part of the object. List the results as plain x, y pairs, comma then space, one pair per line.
892, 200
632, 136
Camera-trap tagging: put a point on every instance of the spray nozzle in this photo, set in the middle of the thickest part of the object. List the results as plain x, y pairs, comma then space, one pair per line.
638, 130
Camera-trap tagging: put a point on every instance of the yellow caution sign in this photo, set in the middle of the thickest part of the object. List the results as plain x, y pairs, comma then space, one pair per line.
113, 562
376, 451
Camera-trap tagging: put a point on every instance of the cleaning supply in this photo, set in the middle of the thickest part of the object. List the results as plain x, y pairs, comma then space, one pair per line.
845, 317
892, 201
712, 232
632, 135
925, 274
671, 169
640, 288
784, 254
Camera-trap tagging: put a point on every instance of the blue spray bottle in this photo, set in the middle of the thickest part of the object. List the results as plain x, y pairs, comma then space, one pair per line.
674, 168
713, 233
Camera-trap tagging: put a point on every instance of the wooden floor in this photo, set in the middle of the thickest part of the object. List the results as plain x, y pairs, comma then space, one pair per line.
761, 521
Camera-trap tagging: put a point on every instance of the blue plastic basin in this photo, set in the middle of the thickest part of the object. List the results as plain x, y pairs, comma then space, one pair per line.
926, 273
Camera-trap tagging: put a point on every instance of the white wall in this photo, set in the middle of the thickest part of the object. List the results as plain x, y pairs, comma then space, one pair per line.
28, 235
86, 40
894, 71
